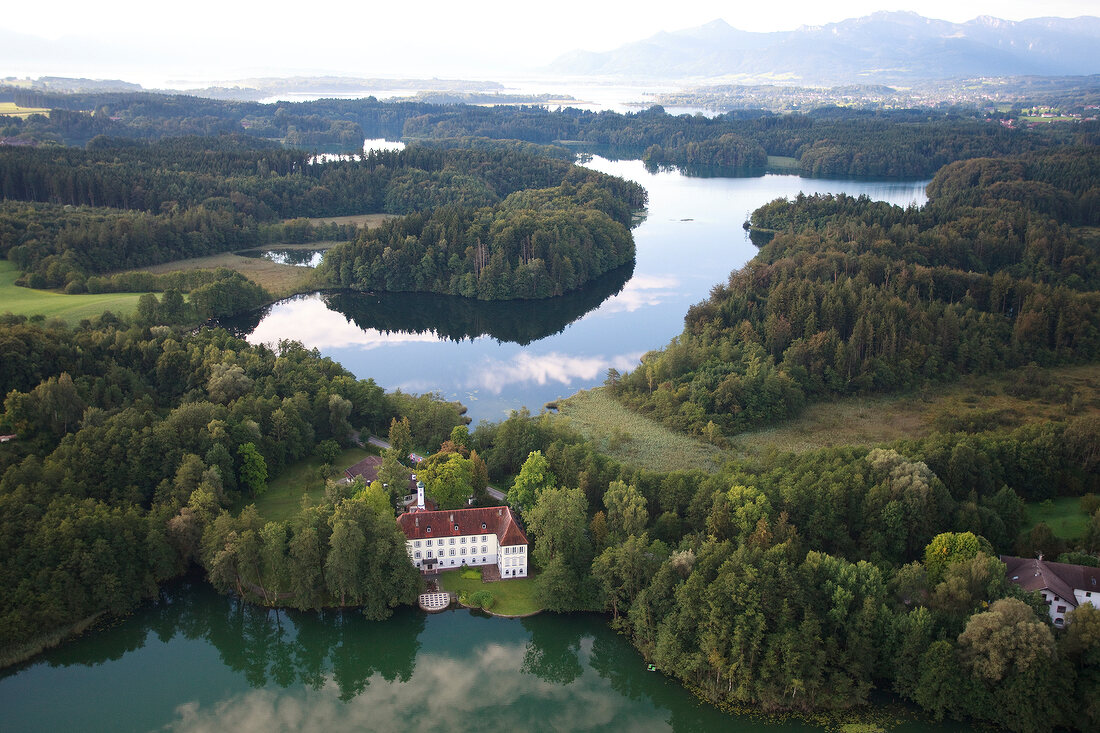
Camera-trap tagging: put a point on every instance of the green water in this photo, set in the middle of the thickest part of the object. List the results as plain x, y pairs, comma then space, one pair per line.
197, 661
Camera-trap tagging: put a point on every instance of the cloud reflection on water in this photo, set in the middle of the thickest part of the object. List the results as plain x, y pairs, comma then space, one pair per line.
640, 292
441, 689
524, 368
310, 321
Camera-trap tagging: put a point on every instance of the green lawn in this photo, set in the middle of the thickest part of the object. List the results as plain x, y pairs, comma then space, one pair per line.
69, 308
1063, 516
284, 494
513, 597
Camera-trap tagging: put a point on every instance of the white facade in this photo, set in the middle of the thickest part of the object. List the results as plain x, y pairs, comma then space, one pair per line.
513, 561
453, 552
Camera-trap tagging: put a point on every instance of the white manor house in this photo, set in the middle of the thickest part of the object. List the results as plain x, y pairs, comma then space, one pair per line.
452, 538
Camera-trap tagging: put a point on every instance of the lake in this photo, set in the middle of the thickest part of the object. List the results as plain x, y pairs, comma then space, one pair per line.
498, 357
197, 661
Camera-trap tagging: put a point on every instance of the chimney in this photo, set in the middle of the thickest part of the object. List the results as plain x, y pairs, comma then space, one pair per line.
420, 495
500, 512
416, 521
452, 517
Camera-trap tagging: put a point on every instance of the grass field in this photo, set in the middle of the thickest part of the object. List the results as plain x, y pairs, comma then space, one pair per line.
11, 109
364, 221
874, 420
1063, 515
284, 494
279, 280
633, 439
512, 597
69, 308
782, 161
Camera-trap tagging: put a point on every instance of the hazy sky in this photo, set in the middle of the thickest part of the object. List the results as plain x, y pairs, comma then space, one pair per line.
420, 37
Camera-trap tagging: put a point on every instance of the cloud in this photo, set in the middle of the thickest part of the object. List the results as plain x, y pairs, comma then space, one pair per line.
493, 375
310, 321
442, 689
640, 292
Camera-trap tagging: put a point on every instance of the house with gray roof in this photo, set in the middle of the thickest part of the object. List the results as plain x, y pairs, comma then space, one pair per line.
1064, 587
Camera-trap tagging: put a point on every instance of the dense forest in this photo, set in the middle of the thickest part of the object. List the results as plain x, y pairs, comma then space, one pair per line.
999, 269
803, 582
786, 582
134, 441
73, 213
828, 141
537, 243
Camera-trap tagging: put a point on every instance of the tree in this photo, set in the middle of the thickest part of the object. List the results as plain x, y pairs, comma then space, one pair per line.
401, 436
1006, 638
343, 565
448, 478
393, 474
227, 382
460, 436
557, 522
534, 477
328, 451
253, 471
339, 409
949, 548
626, 511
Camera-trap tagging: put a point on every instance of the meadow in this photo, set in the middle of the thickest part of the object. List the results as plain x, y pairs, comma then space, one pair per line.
69, 308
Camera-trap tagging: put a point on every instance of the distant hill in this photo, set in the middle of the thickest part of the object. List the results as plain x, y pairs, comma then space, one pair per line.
885, 47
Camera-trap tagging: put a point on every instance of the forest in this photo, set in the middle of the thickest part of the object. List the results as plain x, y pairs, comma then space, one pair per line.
830, 141
852, 296
782, 582
545, 226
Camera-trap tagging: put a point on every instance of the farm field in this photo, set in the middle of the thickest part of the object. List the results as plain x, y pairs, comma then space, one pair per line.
11, 109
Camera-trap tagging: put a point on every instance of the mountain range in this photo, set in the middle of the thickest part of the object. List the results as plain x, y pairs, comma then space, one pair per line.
885, 47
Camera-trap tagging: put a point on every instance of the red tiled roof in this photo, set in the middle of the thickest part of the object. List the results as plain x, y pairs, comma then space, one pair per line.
499, 520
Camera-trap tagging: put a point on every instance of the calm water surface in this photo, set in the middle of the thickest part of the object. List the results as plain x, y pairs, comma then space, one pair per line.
197, 661
496, 357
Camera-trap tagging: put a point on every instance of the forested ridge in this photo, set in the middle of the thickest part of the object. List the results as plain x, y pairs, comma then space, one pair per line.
828, 141
73, 213
999, 269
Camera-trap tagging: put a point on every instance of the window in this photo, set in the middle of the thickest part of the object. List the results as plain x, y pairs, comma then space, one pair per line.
483, 550
462, 540
483, 525
1061, 609
456, 528
452, 542
417, 555
1058, 622
429, 529
520, 549
429, 553
484, 537
416, 544
463, 550
452, 552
